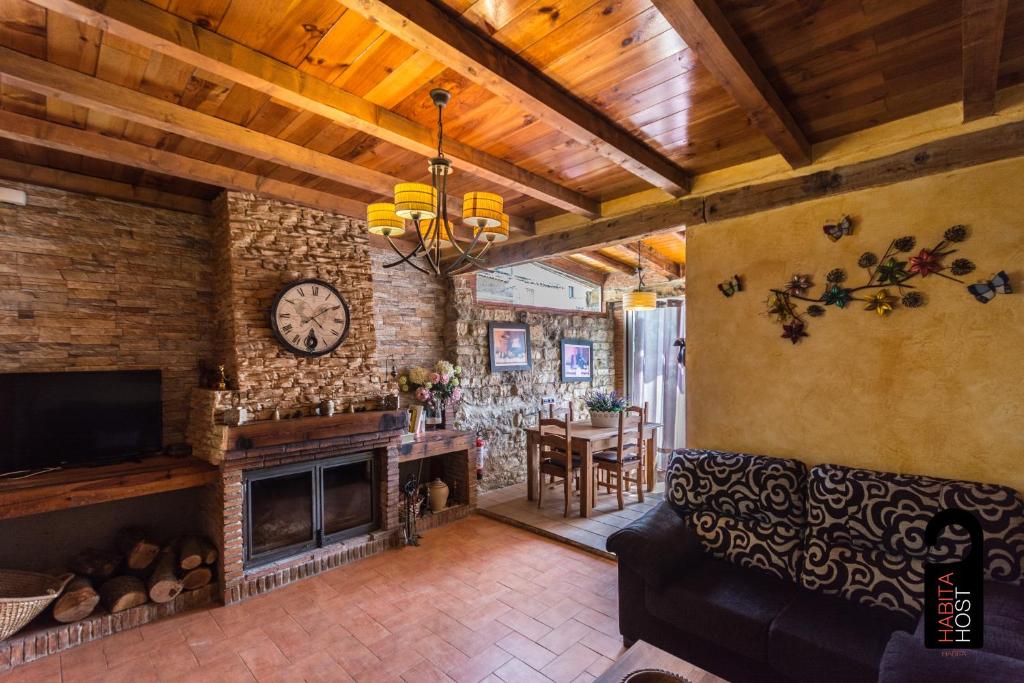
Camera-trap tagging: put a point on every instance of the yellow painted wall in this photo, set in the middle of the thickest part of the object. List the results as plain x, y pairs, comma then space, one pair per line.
938, 390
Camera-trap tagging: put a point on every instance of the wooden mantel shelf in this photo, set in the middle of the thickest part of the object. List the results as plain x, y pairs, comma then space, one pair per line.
303, 429
87, 485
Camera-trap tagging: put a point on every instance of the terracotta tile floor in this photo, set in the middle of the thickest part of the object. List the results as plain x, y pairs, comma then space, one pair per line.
478, 601
510, 504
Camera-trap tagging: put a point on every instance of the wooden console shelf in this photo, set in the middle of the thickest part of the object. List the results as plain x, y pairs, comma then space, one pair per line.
87, 485
436, 442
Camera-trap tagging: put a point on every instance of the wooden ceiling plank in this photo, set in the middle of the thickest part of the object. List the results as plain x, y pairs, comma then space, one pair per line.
707, 32
461, 46
162, 31
102, 187
984, 23
53, 136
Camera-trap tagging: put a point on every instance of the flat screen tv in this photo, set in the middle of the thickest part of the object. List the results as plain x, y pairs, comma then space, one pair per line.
74, 419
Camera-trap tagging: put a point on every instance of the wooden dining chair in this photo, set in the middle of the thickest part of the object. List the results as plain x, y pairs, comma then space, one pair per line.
556, 457
626, 458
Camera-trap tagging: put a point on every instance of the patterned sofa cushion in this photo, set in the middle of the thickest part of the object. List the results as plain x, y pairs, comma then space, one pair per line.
747, 509
865, 533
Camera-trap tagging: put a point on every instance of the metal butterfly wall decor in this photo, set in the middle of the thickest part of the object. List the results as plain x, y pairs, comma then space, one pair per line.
985, 290
731, 286
891, 282
834, 231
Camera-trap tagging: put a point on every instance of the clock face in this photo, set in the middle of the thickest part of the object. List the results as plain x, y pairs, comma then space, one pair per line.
309, 317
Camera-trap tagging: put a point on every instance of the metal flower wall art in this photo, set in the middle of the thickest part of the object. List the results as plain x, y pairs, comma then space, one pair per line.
893, 281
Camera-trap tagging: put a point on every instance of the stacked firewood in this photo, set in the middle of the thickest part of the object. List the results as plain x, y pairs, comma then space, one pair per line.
136, 571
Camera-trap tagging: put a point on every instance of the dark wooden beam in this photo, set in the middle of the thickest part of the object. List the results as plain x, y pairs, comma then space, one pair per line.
456, 43
155, 29
941, 156
101, 187
983, 25
645, 222
706, 30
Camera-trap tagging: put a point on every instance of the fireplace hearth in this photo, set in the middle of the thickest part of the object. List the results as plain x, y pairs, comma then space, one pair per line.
294, 508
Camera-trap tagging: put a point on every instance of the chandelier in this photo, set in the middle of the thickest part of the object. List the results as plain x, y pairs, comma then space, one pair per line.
639, 299
427, 207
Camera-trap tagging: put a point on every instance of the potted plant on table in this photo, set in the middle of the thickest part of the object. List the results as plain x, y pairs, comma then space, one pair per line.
605, 407
437, 388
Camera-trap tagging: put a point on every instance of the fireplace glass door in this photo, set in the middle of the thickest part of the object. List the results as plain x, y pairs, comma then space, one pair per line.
349, 499
295, 508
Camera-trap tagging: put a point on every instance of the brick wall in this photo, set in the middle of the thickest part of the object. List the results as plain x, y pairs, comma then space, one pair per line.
95, 284
501, 404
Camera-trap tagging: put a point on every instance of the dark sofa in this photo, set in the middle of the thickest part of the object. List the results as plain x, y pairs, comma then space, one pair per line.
760, 570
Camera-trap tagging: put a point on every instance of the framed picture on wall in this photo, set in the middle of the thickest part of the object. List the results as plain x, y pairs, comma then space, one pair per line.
577, 360
509, 345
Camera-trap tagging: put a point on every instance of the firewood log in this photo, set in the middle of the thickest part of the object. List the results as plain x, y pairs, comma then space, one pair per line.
137, 547
163, 584
95, 564
78, 601
210, 552
196, 578
123, 592
191, 553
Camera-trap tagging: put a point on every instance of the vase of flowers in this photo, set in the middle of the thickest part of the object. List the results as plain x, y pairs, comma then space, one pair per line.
436, 389
604, 407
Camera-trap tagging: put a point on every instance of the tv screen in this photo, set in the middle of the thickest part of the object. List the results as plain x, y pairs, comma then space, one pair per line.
71, 419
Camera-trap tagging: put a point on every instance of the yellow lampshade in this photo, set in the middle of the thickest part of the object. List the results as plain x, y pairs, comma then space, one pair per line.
640, 301
415, 200
482, 209
427, 230
496, 233
381, 219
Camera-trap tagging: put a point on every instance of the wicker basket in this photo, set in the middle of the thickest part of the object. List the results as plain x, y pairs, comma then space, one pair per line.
23, 595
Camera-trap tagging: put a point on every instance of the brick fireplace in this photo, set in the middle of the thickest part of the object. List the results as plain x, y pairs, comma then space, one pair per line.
293, 479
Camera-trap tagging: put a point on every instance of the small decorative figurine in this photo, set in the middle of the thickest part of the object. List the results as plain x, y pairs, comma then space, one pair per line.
985, 290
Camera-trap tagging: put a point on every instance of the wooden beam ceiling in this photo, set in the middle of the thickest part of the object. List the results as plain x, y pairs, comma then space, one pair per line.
651, 220
100, 187
941, 156
462, 47
67, 139
567, 265
983, 27
75, 87
610, 262
652, 259
149, 26
706, 30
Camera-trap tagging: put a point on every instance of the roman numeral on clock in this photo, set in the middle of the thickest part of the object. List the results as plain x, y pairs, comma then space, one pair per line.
286, 329
316, 290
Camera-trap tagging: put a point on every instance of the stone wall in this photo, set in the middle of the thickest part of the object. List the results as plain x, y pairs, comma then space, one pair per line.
270, 243
96, 284
409, 314
501, 404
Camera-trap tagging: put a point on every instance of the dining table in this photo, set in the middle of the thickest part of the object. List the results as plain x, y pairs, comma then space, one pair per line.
587, 440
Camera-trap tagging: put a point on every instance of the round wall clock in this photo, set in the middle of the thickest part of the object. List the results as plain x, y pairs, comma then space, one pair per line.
309, 317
